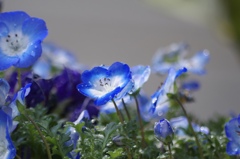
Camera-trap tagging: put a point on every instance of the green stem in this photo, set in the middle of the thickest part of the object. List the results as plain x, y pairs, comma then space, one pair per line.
140, 122
41, 135
191, 128
126, 110
118, 112
170, 151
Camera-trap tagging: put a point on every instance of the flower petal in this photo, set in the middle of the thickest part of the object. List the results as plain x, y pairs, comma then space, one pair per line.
7, 61
32, 53
14, 20
35, 28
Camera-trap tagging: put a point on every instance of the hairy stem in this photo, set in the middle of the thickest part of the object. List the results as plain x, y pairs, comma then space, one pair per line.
191, 128
41, 135
140, 122
170, 151
118, 112
126, 110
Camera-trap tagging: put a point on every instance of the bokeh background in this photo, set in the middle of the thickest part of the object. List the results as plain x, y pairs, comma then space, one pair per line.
105, 31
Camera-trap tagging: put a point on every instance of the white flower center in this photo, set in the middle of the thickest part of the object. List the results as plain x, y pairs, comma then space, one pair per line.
105, 85
14, 44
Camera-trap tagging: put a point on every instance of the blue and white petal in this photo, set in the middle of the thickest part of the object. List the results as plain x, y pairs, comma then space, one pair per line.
140, 75
4, 89
160, 96
7, 149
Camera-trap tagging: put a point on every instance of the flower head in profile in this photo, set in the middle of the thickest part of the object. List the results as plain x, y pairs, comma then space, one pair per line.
20, 39
106, 83
160, 96
232, 130
163, 131
7, 149
173, 56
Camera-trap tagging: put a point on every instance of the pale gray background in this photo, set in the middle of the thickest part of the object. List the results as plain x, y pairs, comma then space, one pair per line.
104, 31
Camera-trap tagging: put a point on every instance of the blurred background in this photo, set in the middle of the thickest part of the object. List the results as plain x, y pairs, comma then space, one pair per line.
105, 31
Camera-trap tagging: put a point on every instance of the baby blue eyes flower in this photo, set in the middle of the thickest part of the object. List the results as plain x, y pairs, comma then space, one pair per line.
104, 84
174, 57
232, 130
7, 149
20, 39
160, 96
163, 131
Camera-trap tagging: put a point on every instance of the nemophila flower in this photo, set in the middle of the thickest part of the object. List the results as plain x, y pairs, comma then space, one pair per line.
105, 84
145, 104
74, 135
160, 96
140, 75
20, 39
60, 58
180, 125
232, 130
7, 149
163, 131
174, 57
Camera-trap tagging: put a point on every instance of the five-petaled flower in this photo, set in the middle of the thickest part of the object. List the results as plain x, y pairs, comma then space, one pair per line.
106, 83
20, 39
232, 130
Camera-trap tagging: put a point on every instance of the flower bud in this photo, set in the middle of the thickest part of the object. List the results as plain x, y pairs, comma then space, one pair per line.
163, 131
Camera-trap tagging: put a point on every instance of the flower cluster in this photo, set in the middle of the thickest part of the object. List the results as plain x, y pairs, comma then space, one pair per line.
52, 105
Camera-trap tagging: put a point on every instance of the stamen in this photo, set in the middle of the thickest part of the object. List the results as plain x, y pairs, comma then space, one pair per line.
9, 36
7, 40
16, 35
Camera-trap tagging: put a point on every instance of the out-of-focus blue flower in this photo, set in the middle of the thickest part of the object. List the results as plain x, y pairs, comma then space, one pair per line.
160, 96
75, 136
42, 68
162, 130
4, 89
20, 39
7, 149
232, 130
145, 104
60, 58
140, 75
109, 107
180, 124
174, 57
105, 84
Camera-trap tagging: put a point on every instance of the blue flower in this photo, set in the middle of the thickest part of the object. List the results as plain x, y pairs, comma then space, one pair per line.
106, 83
7, 149
163, 131
74, 135
140, 75
174, 57
160, 96
4, 89
232, 130
20, 39
180, 124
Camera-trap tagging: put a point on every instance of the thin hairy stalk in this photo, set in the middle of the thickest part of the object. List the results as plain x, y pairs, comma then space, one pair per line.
41, 135
191, 128
140, 122
170, 151
118, 112
126, 110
